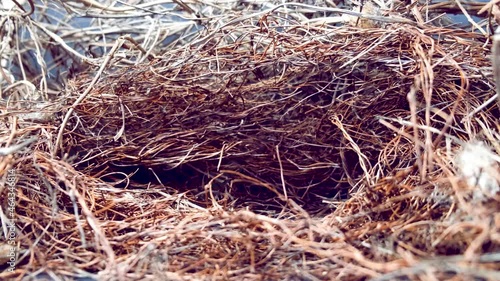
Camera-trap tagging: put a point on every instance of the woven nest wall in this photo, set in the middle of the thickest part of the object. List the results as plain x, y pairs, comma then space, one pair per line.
340, 141
295, 107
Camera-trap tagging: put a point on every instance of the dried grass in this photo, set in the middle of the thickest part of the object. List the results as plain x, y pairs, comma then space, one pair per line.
264, 149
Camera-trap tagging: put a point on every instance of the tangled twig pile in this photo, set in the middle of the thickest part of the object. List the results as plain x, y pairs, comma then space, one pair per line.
264, 152
273, 109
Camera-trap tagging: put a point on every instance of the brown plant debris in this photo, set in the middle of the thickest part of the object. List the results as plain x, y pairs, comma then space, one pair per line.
263, 152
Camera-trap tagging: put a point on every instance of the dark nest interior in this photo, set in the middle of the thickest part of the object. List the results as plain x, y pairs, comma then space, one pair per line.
259, 152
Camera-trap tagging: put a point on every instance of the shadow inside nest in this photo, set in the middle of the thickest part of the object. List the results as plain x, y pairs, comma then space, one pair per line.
202, 186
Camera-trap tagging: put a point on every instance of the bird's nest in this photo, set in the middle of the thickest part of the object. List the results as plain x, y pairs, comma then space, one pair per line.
265, 153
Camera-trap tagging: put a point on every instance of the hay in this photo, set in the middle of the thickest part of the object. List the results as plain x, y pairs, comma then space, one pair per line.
264, 149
